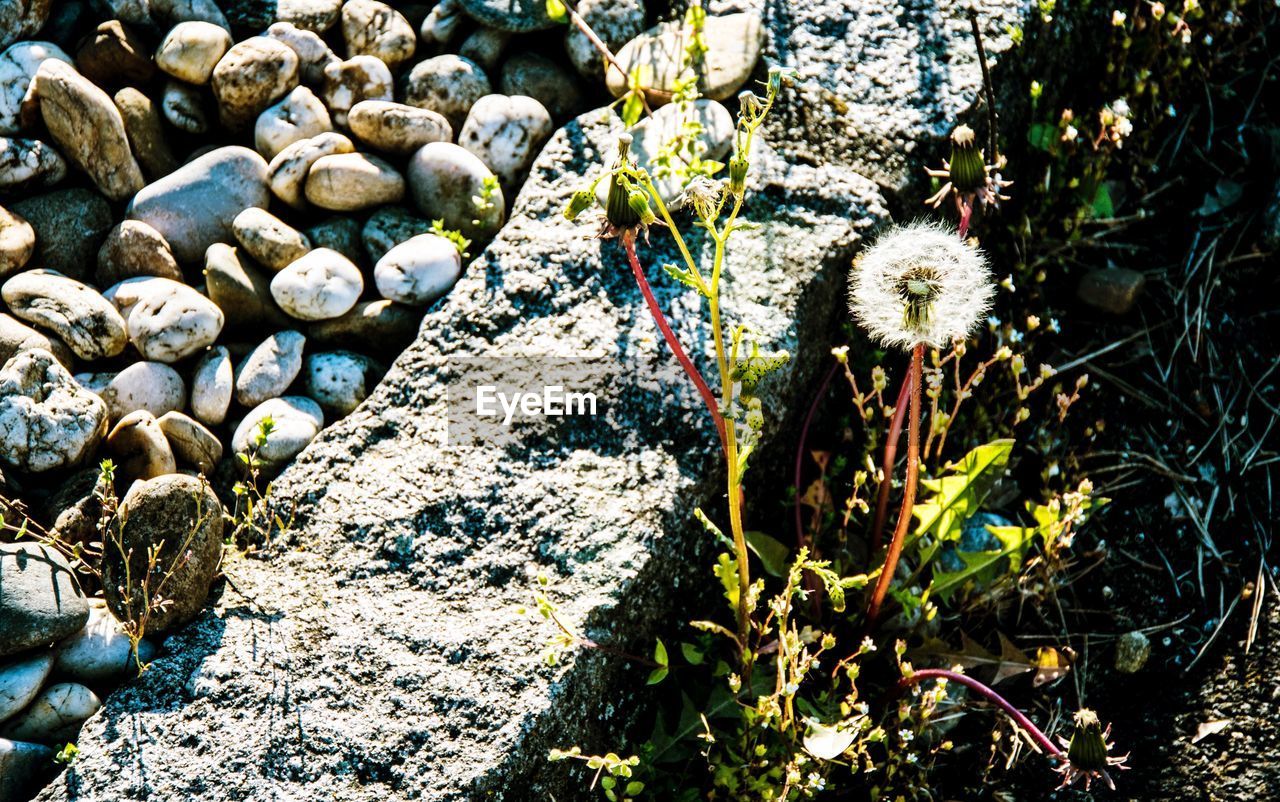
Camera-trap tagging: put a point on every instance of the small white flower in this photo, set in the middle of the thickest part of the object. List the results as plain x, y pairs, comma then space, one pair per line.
919, 283
1118, 18
1120, 107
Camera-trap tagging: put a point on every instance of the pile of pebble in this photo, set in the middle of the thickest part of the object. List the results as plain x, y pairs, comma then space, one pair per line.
199, 233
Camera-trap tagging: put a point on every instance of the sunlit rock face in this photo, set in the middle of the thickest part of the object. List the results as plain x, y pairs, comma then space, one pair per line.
377, 652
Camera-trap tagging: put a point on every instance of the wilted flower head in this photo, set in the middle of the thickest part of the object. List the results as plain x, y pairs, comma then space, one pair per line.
1087, 750
705, 195
919, 283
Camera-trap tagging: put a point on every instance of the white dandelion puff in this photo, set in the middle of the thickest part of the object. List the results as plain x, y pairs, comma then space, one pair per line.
920, 283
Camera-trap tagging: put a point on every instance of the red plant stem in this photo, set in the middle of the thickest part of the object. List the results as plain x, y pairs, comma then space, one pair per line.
801, 538
890, 456
629, 245
1019, 718
909, 495
966, 214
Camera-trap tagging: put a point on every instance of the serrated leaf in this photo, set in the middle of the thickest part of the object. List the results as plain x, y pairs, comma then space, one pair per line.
984, 566
957, 496
684, 276
773, 555
1011, 662
827, 743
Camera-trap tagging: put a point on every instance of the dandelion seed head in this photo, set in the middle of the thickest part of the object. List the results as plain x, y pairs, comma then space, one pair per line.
920, 283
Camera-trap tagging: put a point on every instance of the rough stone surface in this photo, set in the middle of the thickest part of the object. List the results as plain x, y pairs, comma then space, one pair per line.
416, 555
18, 65
179, 515
143, 126
114, 55
251, 76
17, 242
80, 316
29, 164
87, 126
69, 226
221, 184
40, 600
517, 16
347, 182
132, 249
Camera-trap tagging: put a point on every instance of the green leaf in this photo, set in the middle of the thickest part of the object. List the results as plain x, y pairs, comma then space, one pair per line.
557, 11
984, 566
684, 276
1101, 206
773, 555
660, 654
1043, 137
632, 108
960, 494
692, 654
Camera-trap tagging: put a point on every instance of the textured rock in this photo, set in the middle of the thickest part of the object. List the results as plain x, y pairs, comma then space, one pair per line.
21, 19
40, 600
346, 83
100, 652
295, 422
114, 55
184, 107
448, 85
340, 380
132, 249
139, 449
268, 239
396, 127
55, 716
270, 368
445, 179
347, 182
212, 385
616, 22
241, 291
517, 16
455, 706
191, 50
484, 46
16, 336
506, 134
173, 323
287, 172
29, 164
323, 284
18, 65
151, 386
656, 132
733, 46
87, 126
80, 316
543, 80
300, 115
418, 271
387, 228
371, 28
24, 768
20, 681
341, 234
17, 242
379, 327
313, 52
221, 184
251, 76
441, 24
69, 224
191, 442
1114, 290
146, 135
181, 517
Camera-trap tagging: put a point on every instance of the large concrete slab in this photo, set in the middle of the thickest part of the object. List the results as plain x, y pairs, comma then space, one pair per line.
377, 654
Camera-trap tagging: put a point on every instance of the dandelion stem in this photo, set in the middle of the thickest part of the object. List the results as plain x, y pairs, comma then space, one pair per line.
909, 494
890, 456
629, 245
1019, 718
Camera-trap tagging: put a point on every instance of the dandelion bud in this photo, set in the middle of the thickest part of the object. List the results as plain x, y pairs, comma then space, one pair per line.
1088, 749
579, 203
639, 204
968, 173
618, 209
738, 175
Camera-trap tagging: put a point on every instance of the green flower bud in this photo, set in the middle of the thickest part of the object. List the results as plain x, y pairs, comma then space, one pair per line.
968, 173
618, 209
639, 204
579, 203
738, 174
1088, 748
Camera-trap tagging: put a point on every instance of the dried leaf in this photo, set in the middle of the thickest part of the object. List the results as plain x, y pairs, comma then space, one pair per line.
1208, 728
1050, 665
